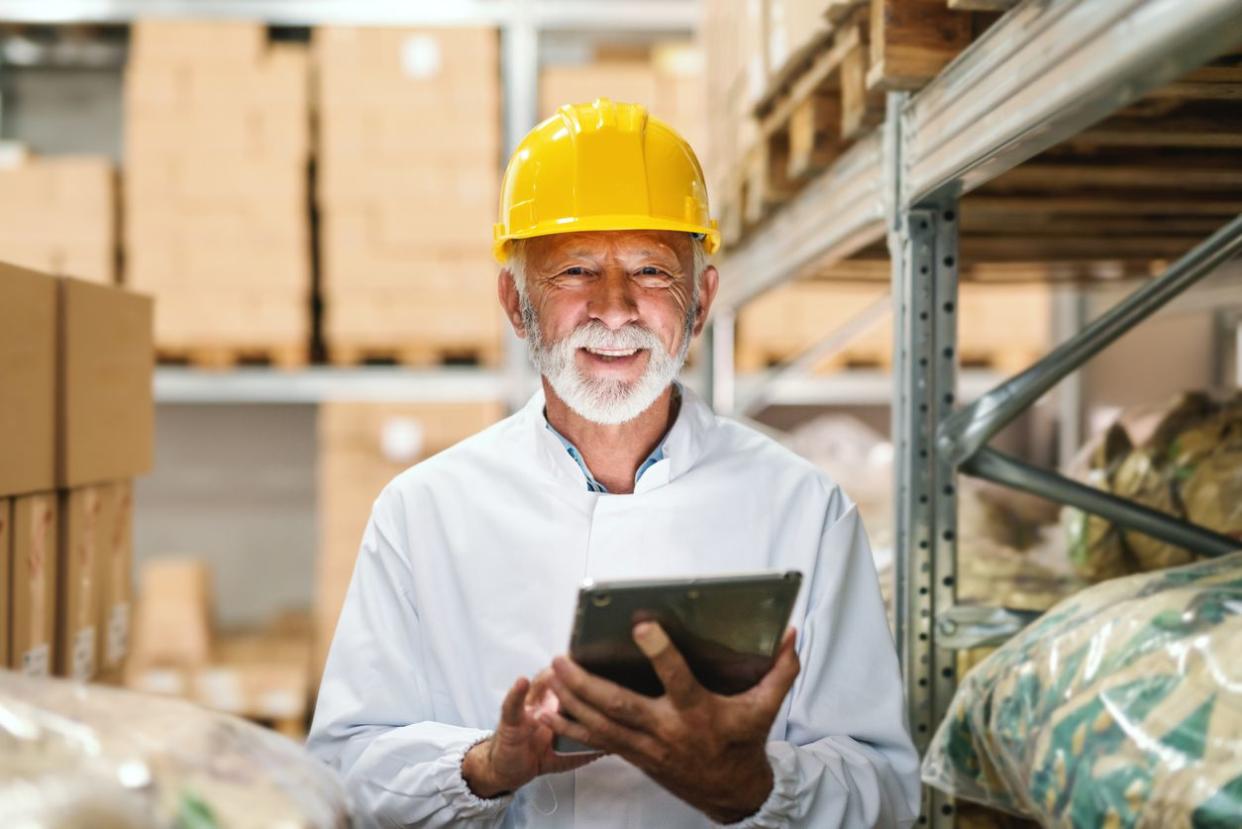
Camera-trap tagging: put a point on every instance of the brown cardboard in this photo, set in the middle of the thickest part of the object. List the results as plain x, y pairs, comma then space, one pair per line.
105, 407
115, 576
6, 557
34, 584
362, 446
81, 544
28, 392
172, 625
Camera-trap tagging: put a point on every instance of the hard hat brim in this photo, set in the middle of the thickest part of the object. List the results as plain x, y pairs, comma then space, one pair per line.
710, 234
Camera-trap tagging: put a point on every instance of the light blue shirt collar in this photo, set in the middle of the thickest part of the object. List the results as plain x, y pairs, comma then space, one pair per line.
593, 485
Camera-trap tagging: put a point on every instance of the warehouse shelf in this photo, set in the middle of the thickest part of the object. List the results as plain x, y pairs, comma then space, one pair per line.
315, 385
645, 15
1035, 84
177, 385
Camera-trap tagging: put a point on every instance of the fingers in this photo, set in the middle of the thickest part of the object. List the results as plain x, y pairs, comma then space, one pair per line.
675, 675
540, 696
594, 728
771, 690
555, 763
512, 710
619, 704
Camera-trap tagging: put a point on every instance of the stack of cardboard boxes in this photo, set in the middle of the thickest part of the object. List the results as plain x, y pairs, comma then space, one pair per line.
58, 215
408, 171
76, 424
263, 675
363, 446
668, 81
217, 151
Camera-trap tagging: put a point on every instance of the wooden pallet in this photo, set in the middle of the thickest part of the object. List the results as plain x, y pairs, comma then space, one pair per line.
289, 356
415, 355
831, 91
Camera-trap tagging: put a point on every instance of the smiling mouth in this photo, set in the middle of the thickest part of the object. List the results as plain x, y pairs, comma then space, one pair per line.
613, 355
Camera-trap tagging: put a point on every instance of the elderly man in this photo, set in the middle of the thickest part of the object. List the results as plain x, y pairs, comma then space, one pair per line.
466, 580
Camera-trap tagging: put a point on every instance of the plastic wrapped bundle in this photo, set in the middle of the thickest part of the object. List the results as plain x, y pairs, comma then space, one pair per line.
76, 755
1189, 465
1120, 707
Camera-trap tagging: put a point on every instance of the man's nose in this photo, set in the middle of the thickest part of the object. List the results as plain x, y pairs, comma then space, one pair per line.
612, 301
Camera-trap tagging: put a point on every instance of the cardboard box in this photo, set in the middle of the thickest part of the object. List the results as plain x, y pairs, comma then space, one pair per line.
115, 575
363, 446
105, 408
6, 558
28, 392
167, 42
82, 539
33, 585
172, 625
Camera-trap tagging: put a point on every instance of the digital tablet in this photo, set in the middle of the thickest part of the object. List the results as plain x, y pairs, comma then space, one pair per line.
728, 629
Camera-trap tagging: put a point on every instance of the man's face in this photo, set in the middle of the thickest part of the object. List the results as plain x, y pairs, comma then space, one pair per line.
609, 316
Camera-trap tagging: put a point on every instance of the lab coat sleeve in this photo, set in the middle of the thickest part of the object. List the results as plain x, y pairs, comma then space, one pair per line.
374, 721
847, 759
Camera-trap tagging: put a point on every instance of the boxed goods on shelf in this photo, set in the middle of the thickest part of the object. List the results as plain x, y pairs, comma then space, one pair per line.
28, 337
363, 446
259, 674
1004, 327
409, 152
217, 151
1119, 707
33, 584
58, 214
73, 755
1189, 465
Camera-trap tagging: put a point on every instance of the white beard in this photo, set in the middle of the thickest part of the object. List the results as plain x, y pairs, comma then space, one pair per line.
607, 401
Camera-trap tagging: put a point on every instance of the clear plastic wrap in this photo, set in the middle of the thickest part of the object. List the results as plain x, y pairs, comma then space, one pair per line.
1120, 707
74, 755
1188, 464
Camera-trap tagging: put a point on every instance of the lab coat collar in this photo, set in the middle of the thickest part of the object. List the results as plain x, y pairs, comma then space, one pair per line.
683, 446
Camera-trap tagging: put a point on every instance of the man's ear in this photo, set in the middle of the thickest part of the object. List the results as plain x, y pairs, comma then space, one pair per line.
506, 288
708, 283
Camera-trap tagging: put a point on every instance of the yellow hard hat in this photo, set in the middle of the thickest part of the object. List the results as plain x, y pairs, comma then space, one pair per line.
602, 166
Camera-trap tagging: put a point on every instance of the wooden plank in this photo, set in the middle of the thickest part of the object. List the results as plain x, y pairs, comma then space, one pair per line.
1211, 83
767, 178
912, 40
982, 5
1037, 176
1055, 224
1072, 248
1224, 132
1146, 205
838, 10
814, 135
861, 107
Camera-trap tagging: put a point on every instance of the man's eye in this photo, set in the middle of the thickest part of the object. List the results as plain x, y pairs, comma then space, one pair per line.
651, 270
575, 271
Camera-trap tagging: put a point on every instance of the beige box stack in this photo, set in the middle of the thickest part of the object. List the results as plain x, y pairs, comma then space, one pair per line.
59, 215
363, 446
217, 149
1004, 327
76, 423
409, 167
669, 83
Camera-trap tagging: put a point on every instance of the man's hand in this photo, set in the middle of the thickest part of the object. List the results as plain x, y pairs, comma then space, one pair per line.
707, 749
521, 748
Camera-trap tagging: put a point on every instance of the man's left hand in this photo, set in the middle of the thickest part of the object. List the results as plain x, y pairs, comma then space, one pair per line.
705, 748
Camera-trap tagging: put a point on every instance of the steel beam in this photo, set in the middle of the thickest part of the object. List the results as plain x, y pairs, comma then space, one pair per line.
994, 466
721, 372
964, 434
1043, 73
834, 216
925, 270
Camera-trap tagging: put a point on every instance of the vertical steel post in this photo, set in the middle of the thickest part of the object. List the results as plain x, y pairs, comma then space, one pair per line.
721, 391
925, 248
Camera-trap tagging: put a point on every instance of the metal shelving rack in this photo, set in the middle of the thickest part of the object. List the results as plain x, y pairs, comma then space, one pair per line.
1037, 77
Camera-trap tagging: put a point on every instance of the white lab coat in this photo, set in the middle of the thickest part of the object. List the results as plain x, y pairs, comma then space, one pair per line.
467, 578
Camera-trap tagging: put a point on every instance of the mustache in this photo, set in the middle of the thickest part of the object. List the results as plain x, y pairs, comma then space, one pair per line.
595, 334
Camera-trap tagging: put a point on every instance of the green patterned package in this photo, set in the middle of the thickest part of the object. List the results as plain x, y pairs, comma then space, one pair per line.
1120, 707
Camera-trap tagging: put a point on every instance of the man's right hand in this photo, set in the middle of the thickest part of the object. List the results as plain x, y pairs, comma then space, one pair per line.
521, 748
